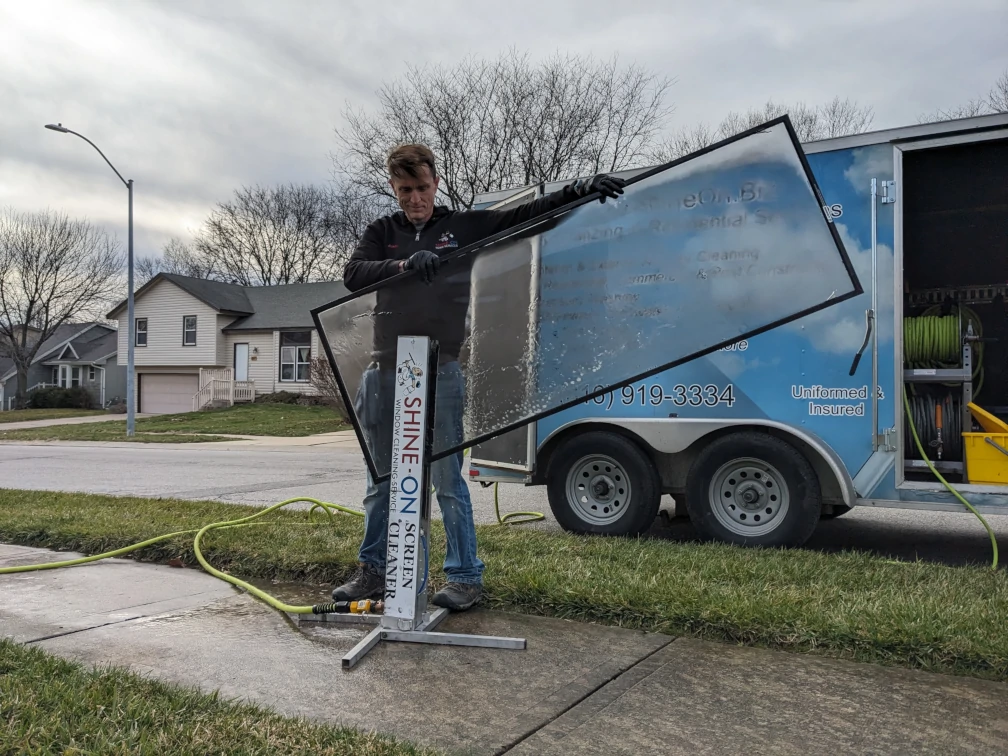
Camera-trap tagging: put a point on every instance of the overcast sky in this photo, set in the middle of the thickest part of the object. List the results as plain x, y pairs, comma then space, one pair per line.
194, 98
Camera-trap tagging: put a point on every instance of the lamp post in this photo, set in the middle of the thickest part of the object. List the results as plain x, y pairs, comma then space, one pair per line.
130, 404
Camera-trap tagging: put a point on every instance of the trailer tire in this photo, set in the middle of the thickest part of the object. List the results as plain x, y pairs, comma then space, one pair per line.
603, 484
753, 489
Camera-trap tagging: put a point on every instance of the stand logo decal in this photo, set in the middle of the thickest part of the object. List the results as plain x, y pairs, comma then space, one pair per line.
408, 375
403, 578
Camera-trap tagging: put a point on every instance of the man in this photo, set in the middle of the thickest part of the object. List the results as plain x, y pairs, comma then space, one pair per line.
410, 240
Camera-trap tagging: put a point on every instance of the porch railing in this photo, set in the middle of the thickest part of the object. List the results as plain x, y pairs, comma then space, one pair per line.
244, 391
217, 385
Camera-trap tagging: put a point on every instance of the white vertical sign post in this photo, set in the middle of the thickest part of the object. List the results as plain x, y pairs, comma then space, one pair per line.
409, 485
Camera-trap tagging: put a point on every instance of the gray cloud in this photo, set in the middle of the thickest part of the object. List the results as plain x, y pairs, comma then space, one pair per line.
192, 99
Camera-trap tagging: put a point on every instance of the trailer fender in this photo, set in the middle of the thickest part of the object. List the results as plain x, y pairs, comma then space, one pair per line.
676, 436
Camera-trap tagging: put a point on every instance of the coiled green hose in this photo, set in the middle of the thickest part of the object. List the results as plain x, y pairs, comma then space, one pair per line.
931, 340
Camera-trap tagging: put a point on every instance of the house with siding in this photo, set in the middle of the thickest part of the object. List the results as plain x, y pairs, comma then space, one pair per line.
199, 342
75, 355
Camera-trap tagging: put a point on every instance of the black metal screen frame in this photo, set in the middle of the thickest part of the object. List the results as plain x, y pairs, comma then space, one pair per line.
858, 289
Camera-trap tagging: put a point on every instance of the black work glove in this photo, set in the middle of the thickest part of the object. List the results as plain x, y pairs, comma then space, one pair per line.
607, 186
426, 262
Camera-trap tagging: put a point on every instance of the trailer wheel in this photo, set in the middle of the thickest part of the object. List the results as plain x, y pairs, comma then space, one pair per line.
604, 484
753, 489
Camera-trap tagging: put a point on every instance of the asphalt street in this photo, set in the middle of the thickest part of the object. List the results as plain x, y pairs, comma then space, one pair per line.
262, 475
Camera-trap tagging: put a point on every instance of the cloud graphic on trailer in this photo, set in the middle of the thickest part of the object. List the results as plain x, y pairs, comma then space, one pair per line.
841, 329
870, 162
733, 364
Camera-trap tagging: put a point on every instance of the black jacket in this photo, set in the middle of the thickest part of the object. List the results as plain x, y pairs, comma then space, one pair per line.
437, 310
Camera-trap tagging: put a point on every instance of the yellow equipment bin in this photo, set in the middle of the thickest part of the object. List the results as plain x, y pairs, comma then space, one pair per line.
987, 451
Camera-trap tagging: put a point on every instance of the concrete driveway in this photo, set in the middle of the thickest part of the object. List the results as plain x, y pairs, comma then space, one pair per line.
331, 468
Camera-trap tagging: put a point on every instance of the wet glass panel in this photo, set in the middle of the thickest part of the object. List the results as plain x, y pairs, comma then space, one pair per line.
692, 257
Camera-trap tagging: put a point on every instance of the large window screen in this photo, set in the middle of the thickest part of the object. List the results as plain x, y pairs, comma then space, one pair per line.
695, 255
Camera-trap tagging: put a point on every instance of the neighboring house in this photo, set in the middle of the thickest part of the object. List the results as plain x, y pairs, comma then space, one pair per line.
77, 354
195, 337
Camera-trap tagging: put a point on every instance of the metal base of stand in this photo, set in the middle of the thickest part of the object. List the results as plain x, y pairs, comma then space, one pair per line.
424, 633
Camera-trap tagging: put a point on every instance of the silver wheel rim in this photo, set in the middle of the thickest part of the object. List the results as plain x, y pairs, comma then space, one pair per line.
598, 489
749, 497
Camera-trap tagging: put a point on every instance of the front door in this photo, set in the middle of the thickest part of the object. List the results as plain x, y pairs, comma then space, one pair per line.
241, 361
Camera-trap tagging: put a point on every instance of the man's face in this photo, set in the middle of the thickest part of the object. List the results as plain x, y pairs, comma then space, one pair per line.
416, 195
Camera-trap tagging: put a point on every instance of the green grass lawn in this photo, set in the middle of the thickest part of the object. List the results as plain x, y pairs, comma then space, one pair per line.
50, 705
241, 419
849, 605
20, 416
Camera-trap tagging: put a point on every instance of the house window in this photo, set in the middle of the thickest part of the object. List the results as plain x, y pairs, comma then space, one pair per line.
189, 330
295, 355
55, 376
69, 377
141, 332
90, 373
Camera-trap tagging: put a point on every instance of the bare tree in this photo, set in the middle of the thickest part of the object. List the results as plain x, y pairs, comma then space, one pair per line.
971, 109
839, 118
354, 207
834, 119
272, 235
505, 122
326, 386
53, 270
996, 101
178, 258
997, 98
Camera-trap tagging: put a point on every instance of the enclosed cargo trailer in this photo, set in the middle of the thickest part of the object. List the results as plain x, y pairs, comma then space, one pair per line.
763, 437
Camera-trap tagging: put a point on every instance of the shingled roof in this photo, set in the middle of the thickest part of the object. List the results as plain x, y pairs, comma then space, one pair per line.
258, 308
289, 306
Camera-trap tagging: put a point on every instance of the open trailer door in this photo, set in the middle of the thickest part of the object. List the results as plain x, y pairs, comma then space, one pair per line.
697, 254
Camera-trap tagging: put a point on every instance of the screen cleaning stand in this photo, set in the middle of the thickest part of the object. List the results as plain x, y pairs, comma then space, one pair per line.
406, 616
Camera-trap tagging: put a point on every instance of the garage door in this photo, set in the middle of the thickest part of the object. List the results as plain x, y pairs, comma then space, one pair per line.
162, 393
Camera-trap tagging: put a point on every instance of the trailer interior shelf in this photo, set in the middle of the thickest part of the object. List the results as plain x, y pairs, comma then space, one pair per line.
940, 465
936, 375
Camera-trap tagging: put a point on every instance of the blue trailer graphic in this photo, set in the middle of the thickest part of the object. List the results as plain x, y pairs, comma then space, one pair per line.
766, 435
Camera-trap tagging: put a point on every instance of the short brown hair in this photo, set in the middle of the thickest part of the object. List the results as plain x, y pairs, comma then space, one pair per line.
407, 160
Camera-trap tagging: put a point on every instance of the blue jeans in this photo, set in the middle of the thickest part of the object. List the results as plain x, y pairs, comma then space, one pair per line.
374, 410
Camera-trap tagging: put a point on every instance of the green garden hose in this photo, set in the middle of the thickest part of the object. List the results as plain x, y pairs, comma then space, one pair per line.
240, 522
327, 507
514, 516
920, 448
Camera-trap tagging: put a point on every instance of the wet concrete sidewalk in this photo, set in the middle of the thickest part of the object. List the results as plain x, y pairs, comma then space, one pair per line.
576, 689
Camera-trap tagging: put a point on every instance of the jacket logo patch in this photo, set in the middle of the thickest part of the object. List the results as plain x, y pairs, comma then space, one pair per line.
393, 246
446, 241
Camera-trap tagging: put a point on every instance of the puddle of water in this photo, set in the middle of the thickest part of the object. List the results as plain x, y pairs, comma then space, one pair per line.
298, 594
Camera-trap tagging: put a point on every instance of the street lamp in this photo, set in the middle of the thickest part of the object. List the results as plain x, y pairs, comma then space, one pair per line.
130, 412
